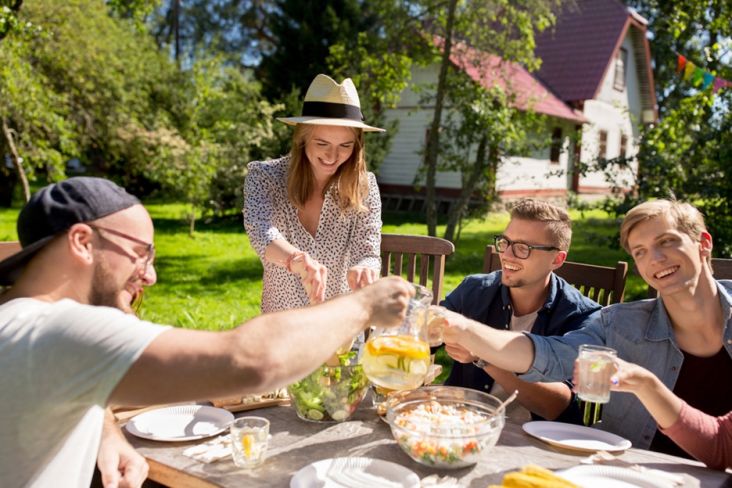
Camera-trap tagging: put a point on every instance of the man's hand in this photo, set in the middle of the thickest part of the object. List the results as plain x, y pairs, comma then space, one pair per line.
118, 462
313, 275
387, 299
360, 276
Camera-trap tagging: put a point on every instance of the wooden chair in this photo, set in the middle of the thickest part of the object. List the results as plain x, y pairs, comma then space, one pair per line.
7, 248
400, 253
722, 271
604, 284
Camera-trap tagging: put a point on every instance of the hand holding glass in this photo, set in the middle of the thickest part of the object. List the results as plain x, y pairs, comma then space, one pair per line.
249, 439
595, 367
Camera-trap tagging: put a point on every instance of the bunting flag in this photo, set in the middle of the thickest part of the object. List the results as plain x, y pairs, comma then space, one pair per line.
699, 77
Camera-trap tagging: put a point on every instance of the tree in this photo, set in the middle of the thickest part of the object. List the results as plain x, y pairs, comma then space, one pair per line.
302, 32
499, 27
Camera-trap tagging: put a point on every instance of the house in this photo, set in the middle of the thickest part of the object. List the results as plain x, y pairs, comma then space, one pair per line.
595, 86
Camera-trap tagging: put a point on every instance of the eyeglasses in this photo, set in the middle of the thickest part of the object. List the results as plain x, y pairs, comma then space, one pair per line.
146, 258
520, 249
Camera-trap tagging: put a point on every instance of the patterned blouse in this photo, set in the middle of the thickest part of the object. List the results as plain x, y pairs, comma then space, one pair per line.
342, 240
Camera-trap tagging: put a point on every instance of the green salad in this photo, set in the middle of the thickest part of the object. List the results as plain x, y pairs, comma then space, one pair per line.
330, 393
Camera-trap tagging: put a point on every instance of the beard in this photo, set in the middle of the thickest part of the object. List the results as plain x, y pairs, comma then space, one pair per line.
105, 292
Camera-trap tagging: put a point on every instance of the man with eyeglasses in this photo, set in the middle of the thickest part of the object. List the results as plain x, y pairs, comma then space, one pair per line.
69, 346
525, 296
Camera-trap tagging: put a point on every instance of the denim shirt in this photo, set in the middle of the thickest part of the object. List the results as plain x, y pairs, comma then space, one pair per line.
641, 332
483, 298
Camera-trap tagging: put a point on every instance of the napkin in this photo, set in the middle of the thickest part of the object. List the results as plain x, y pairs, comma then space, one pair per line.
604, 457
214, 450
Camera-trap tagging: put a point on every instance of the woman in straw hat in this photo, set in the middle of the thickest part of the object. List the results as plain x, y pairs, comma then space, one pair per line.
314, 216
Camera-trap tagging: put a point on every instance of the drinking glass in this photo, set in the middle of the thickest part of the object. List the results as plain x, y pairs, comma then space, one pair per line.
249, 438
398, 358
595, 367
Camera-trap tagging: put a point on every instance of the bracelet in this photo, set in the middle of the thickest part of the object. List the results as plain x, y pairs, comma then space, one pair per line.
479, 363
291, 257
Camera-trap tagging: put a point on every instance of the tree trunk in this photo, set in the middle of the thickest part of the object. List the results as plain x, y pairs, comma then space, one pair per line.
192, 220
433, 142
8, 133
456, 212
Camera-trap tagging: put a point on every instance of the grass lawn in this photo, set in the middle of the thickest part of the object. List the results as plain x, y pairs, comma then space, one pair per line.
213, 281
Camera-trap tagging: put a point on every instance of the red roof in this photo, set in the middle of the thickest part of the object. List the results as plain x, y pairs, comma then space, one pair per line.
577, 51
490, 71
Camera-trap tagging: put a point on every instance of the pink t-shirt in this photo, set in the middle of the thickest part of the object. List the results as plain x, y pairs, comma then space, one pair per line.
707, 438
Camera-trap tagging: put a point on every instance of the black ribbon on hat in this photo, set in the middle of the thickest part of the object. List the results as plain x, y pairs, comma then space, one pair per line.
332, 111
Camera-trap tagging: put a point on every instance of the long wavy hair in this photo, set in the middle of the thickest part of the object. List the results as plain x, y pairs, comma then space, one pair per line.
350, 179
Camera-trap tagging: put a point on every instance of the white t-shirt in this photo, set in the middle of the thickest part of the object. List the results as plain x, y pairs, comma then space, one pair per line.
59, 362
515, 410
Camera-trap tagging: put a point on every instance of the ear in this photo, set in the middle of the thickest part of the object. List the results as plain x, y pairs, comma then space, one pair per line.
559, 259
705, 243
79, 240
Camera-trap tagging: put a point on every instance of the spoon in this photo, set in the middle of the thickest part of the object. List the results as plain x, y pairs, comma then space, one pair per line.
505, 403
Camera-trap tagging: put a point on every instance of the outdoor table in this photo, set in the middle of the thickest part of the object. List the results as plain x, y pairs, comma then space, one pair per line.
296, 443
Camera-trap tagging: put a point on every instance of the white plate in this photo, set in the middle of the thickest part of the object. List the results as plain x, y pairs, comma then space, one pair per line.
354, 472
182, 423
594, 476
576, 437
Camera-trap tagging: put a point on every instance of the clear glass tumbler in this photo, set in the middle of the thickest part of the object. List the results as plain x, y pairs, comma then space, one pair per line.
595, 367
249, 439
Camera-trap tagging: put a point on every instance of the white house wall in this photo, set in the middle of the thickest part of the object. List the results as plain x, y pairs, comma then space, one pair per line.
617, 112
534, 172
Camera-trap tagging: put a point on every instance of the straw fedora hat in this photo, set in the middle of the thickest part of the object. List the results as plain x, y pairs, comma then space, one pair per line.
330, 103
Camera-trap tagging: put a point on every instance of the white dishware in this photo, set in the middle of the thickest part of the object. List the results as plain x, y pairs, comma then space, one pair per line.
612, 477
576, 437
180, 423
354, 472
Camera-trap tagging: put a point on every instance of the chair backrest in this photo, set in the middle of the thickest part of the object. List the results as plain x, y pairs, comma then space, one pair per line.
604, 284
400, 253
722, 271
7, 248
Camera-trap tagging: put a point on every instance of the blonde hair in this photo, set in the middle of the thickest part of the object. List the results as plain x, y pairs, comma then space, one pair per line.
559, 223
686, 218
350, 179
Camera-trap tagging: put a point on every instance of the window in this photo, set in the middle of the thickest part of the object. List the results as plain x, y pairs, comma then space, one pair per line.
602, 154
621, 61
623, 145
556, 147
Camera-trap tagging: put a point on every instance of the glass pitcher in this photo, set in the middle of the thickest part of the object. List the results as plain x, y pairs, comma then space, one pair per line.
398, 358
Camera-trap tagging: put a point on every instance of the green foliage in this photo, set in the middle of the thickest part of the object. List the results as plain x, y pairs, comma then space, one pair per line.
301, 34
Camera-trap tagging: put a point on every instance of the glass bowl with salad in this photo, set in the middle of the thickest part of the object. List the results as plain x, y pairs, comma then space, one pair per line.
330, 393
445, 426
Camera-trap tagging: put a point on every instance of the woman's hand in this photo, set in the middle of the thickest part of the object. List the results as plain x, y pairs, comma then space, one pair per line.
313, 275
360, 276
628, 377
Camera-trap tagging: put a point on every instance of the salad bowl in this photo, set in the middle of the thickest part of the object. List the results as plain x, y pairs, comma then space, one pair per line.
330, 393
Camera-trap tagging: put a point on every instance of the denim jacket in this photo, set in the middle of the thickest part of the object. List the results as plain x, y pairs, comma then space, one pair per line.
483, 298
641, 332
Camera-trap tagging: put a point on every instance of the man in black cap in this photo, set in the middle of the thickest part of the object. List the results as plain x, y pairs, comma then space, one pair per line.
67, 349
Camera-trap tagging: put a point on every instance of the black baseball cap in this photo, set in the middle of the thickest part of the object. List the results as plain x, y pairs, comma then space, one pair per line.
54, 209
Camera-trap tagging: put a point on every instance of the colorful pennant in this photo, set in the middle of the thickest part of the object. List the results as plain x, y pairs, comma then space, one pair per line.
698, 76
